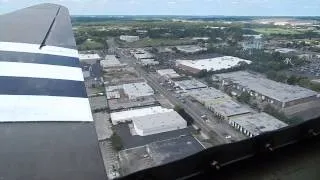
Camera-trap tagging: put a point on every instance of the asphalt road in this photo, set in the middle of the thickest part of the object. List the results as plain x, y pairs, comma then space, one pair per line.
194, 112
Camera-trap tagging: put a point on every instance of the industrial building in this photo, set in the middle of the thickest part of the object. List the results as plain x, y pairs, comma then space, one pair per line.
224, 108
285, 50
278, 94
190, 84
111, 61
204, 95
148, 62
213, 64
255, 124
201, 38
89, 58
142, 54
219, 103
158, 153
137, 90
158, 123
113, 95
129, 38
126, 116
251, 41
168, 73
190, 49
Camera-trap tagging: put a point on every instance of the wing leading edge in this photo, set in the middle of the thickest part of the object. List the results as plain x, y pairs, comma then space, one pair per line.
46, 126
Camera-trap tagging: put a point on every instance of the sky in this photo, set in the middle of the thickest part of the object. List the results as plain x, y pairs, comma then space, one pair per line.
178, 7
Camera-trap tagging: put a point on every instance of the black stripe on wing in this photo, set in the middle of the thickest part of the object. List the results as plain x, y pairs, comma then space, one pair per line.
7, 56
41, 86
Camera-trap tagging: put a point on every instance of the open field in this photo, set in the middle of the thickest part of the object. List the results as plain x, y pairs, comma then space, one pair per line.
268, 31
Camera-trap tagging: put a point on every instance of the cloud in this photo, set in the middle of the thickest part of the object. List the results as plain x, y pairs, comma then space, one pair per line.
172, 2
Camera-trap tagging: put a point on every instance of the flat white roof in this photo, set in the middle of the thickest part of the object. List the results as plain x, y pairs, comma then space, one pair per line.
206, 94
113, 95
148, 62
285, 50
190, 84
258, 123
138, 89
200, 38
191, 48
213, 64
227, 107
144, 55
128, 115
168, 72
112, 88
111, 61
156, 121
83, 57
278, 91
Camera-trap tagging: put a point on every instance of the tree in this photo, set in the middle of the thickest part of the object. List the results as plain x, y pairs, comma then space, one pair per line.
178, 108
116, 142
244, 97
274, 112
292, 80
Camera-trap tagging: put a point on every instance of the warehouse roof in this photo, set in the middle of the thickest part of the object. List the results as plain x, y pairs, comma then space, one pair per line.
278, 91
213, 64
207, 94
191, 48
142, 54
138, 89
84, 57
227, 107
168, 72
155, 121
110, 61
113, 95
128, 115
190, 84
149, 62
258, 123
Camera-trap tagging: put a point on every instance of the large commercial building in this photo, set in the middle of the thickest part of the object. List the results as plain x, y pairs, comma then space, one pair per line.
190, 49
89, 58
190, 84
158, 123
137, 90
127, 116
111, 61
142, 54
278, 94
148, 62
129, 38
168, 73
255, 124
213, 64
219, 103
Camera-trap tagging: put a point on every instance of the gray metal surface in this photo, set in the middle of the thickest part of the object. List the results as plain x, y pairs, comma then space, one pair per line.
46, 150
49, 151
30, 25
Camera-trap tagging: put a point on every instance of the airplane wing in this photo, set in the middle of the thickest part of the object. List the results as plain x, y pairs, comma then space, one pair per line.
46, 125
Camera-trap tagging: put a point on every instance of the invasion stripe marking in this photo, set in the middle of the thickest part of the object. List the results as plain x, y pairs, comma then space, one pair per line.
24, 57
43, 108
35, 48
15, 69
41, 86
